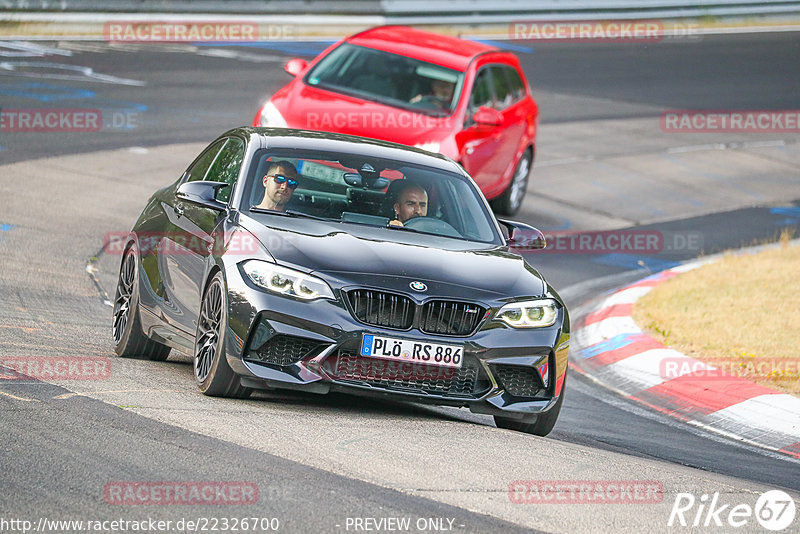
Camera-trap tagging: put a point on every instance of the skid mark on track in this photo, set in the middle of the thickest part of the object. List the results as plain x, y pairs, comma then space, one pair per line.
113, 391
15, 397
26, 329
342, 445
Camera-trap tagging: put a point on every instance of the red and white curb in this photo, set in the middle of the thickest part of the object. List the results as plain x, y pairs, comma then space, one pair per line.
611, 349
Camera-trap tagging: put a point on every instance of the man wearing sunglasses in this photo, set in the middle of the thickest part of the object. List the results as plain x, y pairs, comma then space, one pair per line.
279, 185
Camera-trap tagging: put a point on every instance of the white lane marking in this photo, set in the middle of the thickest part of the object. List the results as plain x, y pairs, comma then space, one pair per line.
25, 49
102, 47
696, 148
726, 146
241, 56
778, 412
29, 69
606, 329
627, 296
758, 144
646, 369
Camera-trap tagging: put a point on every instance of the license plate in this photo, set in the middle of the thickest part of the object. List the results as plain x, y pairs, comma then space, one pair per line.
406, 350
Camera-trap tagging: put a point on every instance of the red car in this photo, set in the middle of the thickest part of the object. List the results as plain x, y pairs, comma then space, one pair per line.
466, 100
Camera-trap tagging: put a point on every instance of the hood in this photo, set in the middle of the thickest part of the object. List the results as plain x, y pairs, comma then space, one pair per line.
392, 259
312, 108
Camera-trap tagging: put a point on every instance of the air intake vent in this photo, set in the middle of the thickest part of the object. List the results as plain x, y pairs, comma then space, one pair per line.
468, 381
519, 381
283, 350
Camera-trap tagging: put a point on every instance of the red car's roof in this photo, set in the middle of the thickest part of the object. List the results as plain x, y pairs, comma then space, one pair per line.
441, 50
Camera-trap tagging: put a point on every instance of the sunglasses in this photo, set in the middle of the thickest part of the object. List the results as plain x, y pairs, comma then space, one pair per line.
290, 182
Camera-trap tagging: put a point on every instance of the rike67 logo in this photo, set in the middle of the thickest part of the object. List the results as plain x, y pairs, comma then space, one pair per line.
774, 510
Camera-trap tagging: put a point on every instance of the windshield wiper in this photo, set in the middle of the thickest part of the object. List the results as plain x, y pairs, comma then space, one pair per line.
290, 213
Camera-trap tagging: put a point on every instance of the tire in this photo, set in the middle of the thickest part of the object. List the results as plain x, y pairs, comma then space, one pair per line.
212, 373
542, 425
129, 339
510, 200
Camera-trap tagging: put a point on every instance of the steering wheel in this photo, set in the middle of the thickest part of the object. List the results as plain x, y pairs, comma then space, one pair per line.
433, 102
432, 225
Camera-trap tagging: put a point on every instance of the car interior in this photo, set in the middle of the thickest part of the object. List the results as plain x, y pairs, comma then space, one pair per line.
344, 191
377, 73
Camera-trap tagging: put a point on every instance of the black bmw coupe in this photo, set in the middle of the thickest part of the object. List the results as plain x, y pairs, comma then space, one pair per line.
324, 262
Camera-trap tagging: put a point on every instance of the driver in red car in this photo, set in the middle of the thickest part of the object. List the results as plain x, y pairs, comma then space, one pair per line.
441, 95
412, 201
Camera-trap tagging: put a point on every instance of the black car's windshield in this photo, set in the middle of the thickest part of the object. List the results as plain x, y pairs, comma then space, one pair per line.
351, 189
389, 79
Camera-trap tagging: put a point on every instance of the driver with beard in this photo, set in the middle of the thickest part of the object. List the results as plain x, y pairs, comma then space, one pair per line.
412, 201
280, 181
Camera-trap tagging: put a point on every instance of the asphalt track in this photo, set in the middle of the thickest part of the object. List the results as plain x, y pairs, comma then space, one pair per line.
318, 461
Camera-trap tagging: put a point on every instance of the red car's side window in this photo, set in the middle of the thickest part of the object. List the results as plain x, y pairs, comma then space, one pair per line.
498, 87
517, 86
481, 91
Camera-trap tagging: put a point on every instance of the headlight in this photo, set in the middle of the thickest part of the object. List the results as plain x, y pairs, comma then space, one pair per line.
529, 313
283, 281
270, 116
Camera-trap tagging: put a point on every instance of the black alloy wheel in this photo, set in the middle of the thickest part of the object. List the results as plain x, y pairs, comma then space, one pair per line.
509, 202
129, 339
211, 370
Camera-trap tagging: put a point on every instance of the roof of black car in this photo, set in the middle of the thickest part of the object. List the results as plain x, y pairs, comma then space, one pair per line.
347, 144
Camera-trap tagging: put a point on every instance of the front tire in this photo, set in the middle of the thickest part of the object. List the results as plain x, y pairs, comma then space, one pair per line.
129, 339
544, 422
510, 200
211, 370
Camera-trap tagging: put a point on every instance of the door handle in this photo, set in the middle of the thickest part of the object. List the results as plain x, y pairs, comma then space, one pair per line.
179, 208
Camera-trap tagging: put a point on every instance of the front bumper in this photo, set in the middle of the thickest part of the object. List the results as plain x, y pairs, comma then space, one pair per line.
279, 342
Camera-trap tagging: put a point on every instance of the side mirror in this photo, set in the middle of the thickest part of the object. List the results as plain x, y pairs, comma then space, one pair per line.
487, 116
295, 66
202, 193
523, 236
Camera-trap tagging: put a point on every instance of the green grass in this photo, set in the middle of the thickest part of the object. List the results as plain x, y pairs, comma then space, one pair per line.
740, 314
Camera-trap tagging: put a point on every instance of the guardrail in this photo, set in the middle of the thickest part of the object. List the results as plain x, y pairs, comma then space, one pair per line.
320, 19
423, 11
